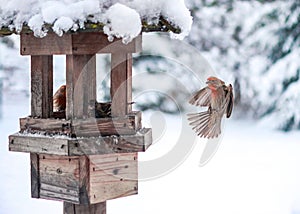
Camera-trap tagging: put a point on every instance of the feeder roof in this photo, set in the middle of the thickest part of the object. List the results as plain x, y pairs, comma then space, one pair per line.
117, 18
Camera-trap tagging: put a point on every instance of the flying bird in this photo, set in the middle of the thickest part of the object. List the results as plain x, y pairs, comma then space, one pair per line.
59, 99
219, 99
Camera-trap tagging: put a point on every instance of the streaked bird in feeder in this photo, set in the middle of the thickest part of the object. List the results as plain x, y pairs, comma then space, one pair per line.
219, 99
59, 99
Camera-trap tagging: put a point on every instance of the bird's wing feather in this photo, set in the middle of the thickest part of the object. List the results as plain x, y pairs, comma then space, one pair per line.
201, 97
205, 124
230, 101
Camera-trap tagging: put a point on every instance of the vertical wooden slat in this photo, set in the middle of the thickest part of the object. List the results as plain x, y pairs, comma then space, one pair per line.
120, 83
129, 82
84, 179
41, 86
35, 175
99, 208
81, 85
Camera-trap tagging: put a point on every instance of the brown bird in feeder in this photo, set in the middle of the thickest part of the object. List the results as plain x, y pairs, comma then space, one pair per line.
59, 99
102, 110
219, 99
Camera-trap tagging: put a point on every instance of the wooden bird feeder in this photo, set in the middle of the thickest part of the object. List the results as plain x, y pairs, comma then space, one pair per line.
76, 156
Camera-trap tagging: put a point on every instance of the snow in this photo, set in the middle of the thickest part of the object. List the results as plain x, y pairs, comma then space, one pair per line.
255, 170
36, 24
252, 44
63, 24
121, 19
184, 21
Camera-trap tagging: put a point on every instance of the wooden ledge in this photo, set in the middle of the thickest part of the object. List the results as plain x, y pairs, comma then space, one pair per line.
63, 145
90, 127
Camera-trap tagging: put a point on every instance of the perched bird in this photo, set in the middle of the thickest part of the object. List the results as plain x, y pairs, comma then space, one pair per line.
219, 99
100, 110
59, 99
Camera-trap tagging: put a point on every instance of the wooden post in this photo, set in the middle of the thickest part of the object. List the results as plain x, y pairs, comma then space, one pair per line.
99, 208
121, 84
41, 105
41, 86
35, 175
81, 90
81, 85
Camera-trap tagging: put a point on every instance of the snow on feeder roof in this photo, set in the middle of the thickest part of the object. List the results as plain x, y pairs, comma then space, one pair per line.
117, 18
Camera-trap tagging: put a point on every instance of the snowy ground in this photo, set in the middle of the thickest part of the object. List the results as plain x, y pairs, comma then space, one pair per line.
255, 171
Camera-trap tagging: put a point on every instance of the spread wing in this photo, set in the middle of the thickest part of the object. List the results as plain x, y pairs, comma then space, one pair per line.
206, 124
201, 98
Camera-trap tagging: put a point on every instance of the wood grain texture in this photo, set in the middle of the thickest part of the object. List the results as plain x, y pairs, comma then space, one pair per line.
139, 142
49, 125
41, 86
84, 179
76, 44
113, 176
99, 208
118, 86
35, 175
97, 42
49, 45
121, 84
62, 145
102, 127
92, 127
59, 178
33, 144
129, 81
81, 85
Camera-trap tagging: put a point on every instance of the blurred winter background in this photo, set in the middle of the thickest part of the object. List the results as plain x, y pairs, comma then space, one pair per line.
254, 44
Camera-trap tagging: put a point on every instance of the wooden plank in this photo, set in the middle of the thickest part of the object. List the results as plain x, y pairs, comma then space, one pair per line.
129, 81
97, 42
35, 175
50, 126
84, 179
59, 178
76, 43
139, 142
61, 145
81, 85
121, 83
41, 86
52, 192
136, 119
113, 176
84, 127
34, 144
49, 45
99, 208
93, 127
102, 127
